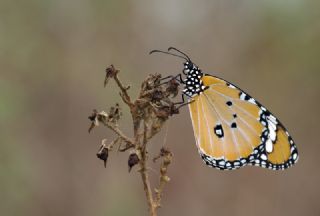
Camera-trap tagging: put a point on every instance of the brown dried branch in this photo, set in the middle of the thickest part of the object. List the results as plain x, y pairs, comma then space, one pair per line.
149, 112
119, 133
166, 156
109, 121
111, 72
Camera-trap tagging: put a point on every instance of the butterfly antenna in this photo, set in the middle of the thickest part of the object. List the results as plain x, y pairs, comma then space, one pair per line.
160, 51
185, 55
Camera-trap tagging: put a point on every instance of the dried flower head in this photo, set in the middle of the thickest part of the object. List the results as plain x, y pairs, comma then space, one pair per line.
133, 160
110, 73
114, 113
103, 154
173, 87
97, 117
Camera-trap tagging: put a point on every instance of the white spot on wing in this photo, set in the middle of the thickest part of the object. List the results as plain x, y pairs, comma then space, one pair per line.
263, 157
218, 132
232, 86
273, 119
269, 146
272, 135
242, 96
222, 163
272, 126
251, 100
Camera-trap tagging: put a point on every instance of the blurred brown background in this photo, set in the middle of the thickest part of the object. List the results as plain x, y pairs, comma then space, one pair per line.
53, 55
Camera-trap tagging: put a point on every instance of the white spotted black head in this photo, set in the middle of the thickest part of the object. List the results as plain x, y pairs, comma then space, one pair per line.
188, 66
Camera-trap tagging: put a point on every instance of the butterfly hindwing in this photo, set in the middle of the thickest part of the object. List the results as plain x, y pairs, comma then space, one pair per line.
233, 130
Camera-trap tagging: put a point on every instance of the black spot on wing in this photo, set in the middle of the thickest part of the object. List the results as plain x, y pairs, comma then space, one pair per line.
218, 130
244, 96
229, 103
234, 125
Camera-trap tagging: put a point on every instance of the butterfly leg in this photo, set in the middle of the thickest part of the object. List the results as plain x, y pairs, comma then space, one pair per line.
183, 103
167, 79
178, 78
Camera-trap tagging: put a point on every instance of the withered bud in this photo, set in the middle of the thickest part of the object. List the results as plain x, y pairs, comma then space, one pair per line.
115, 113
93, 119
156, 78
93, 116
102, 116
151, 82
164, 151
110, 73
173, 87
96, 117
165, 111
103, 154
157, 95
133, 160
174, 110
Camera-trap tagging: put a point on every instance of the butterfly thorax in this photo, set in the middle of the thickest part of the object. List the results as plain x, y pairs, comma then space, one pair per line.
193, 82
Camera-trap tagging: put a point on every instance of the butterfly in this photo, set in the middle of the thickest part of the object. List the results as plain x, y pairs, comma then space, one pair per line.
231, 128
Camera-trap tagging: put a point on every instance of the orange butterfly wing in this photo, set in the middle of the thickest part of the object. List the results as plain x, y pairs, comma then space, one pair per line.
233, 130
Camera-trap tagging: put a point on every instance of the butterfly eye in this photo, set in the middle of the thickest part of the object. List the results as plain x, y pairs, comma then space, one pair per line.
188, 66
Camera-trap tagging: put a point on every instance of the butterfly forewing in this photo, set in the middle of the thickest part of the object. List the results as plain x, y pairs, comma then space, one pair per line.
232, 129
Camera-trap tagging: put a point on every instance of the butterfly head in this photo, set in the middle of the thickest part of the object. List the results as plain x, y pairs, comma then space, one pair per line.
189, 67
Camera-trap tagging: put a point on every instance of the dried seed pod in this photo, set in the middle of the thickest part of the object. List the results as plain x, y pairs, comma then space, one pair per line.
173, 87
93, 119
157, 95
110, 73
114, 113
103, 154
133, 160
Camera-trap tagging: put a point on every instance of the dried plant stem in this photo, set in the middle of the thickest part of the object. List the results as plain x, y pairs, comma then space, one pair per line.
145, 177
164, 178
149, 113
124, 95
115, 129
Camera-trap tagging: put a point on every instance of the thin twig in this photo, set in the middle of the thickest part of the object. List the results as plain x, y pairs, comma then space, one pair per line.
113, 143
164, 178
124, 95
144, 173
119, 133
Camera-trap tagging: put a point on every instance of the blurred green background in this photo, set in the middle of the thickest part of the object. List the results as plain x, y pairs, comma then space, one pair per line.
53, 55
